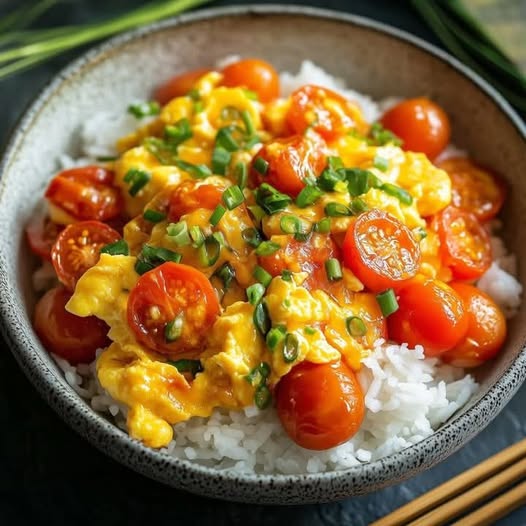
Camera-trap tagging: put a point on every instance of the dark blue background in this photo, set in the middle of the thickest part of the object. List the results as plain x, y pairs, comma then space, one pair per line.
49, 475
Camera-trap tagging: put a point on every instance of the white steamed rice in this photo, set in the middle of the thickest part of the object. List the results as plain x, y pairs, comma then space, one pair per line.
407, 395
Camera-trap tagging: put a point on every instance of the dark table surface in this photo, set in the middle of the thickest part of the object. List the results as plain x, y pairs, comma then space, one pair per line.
49, 475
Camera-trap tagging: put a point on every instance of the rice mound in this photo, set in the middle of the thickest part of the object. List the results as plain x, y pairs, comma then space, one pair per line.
407, 396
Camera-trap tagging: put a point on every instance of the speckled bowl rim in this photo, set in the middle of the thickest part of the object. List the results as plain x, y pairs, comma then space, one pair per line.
184, 474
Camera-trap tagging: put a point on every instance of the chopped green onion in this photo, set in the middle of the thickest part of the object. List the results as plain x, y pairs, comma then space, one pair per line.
241, 173
335, 163
198, 106
302, 236
402, 195
247, 121
358, 206
275, 337
178, 233
220, 238
261, 318
137, 179
357, 181
260, 165
107, 158
233, 197
174, 328
262, 276
262, 397
387, 302
420, 232
259, 374
217, 214
308, 196
333, 269
209, 251
197, 236
309, 330
337, 210
226, 274
154, 216
255, 293
119, 248
178, 133
381, 163
185, 365
194, 94
286, 275
291, 348
266, 248
379, 136
264, 369
256, 213
290, 224
251, 95
151, 257
220, 160
144, 109
323, 226
329, 178
198, 171
355, 326
252, 236
270, 200
225, 139
165, 152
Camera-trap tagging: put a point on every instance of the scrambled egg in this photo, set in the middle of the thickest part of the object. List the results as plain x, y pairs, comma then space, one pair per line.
155, 391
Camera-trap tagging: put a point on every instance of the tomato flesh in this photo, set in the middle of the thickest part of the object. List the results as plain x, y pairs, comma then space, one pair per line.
422, 125
86, 193
168, 293
381, 251
77, 249
465, 244
486, 329
320, 405
179, 85
73, 338
474, 188
290, 162
41, 235
431, 314
188, 196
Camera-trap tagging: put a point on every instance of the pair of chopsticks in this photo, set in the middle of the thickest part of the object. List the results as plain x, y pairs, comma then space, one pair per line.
464, 493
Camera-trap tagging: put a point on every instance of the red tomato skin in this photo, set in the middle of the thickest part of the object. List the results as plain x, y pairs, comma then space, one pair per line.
381, 251
41, 234
179, 85
422, 124
254, 74
86, 193
189, 196
320, 405
290, 161
486, 329
73, 338
430, 314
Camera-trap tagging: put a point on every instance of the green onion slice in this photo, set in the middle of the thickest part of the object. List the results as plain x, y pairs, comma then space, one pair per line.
197, 236
225, 139
275, 337
261, 318
177, 133
226, 274
387, 302
144, 109
357, 181
290, 348
337, 210
217, 214
262, 397
290, 224
309, 330
260, 165
154, 216
220, 160
178, 233
174, 328
119, 248
198, 171
233, 197
137, 179
262, 276
358, 206
185, 365
308, 196
379, 136
420, 232
270, 200
402, 195
241, 173
286, 275
209, 251
151, 257
381, 163
334, 162
247, 121
355, 326
266, 248
255, 293
333, 269
329, 178
323, 226
252, 236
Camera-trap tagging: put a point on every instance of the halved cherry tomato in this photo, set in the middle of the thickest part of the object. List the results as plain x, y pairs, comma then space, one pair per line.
73, 338
86, 193
320, 405
473, 188
171, 308
191, 195
290, 162
77, 249
41, 235
421, 124
256, 75
465, 245
179, 85
325, 111
431, 314
381, 251
486, 329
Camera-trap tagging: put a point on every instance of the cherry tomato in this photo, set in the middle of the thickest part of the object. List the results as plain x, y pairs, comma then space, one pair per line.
486, 329
430, 313
465, 245
77, 249
73, 338
290, 162
474, 188
320, 405
41, 234
325, 111
421, 124
86, 193
171, 308
381, 251
178, 86
256, 75
191, 195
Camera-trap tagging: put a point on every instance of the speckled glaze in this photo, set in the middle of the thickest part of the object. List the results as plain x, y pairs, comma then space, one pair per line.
373, 58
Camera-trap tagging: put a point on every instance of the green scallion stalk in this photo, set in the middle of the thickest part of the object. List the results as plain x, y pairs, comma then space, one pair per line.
275, 337
333, 269
209, 251
358, 206
119, 248
197, 236
185, 365
252, 236
153, 216
174, 328
144, 109
260, 165
357, 181
178, 133
226, 274
255, 293
337, 210
286, 275
323, 226
309, 331
256, 213
402, 195
262, 397
380, 163
266, 248
178, 233
334, 163
151, 257
329, 178
270, 200
261, 318
198, 171
290, 348
137, 180
225, 139
249, 125
290, 224
355, 326
308, 196
233, 197
220, 160
261, 275
387, 302
217, 214
241, 174
379, 136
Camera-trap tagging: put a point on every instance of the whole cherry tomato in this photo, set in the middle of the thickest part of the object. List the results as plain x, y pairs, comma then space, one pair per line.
421, 124
320, 405
41, 234
179, 85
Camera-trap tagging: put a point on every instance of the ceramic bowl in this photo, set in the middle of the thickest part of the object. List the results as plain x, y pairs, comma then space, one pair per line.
374, 59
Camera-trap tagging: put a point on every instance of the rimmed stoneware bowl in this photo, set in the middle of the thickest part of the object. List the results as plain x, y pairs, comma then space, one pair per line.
374, 59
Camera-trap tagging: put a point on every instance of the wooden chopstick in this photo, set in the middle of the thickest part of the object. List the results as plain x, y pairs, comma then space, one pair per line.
461, 484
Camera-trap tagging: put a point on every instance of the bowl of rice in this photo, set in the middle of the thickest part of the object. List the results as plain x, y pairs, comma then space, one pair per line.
418, 407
